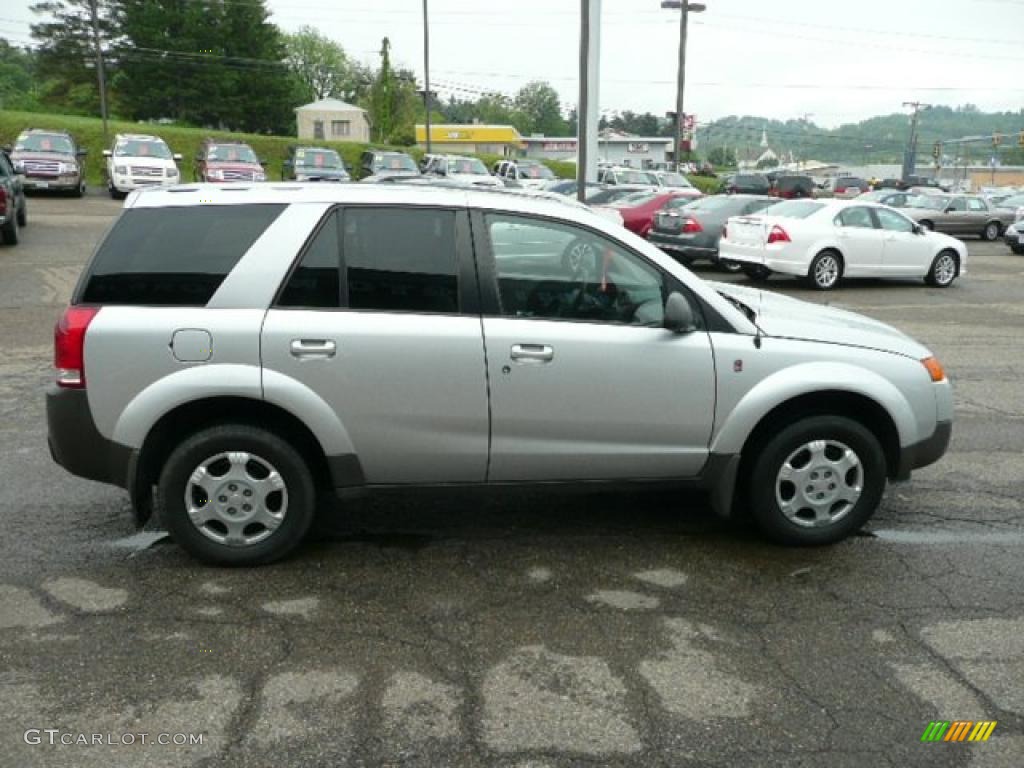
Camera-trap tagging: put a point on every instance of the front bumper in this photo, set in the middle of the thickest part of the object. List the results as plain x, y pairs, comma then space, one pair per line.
925, 452
51, 182
125, 184
77, 445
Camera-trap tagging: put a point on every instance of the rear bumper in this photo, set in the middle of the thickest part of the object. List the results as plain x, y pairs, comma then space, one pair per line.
683, 246
925, 452
77, 445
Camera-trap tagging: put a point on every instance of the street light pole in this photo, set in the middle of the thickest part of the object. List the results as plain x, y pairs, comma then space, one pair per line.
910, 156
100, 73
426, 73
685, 8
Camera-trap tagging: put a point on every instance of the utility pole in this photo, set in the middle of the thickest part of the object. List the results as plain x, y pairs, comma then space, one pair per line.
910, 156
588, 113
685, 8
94, 16
426, 73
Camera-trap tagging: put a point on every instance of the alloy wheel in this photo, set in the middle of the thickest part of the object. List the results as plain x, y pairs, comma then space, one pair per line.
826, 271
945, 269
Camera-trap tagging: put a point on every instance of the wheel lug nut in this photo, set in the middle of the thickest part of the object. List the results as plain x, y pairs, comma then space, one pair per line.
232, 487
810, 489
231, 510
247, 507
223, 498
247, 492
831, 486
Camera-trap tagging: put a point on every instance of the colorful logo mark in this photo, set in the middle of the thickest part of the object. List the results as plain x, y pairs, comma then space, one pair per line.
958, 730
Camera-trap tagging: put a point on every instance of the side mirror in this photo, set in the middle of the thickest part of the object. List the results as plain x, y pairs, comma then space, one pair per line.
951, 209
679, 314
262, 162
286, 163
919, 230
107, 153
177, 157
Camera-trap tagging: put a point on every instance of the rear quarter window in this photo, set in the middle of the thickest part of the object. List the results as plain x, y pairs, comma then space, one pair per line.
173, 256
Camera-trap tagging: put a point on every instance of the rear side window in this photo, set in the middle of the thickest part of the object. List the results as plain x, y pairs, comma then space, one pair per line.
400, 260
173, 256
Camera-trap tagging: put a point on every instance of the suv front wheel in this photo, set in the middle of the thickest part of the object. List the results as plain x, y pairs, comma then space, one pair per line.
236, 495
817, 481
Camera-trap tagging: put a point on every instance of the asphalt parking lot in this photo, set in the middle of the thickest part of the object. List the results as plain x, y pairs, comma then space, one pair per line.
533, 630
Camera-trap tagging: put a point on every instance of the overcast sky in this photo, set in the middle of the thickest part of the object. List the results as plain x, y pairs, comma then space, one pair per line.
838, 61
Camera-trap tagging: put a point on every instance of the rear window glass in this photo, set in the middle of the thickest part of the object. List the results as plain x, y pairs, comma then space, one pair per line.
793, 209
173, 256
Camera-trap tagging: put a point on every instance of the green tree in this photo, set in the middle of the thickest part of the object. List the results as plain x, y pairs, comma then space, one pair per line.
66, 54
319, 65
722, 157
539, 110
17, 78
392, 101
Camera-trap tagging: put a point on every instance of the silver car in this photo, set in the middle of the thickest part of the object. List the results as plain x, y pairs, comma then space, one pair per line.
233, 355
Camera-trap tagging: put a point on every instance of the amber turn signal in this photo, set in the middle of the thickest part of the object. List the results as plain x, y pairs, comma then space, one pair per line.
934, 368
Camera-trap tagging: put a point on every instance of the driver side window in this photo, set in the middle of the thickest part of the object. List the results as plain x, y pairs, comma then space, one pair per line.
553, 271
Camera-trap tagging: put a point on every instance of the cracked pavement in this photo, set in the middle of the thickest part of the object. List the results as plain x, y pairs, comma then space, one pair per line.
532, 629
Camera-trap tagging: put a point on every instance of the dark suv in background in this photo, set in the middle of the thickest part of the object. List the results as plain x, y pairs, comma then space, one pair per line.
49, 160
747, 184
790, 187
313, 164
13, 208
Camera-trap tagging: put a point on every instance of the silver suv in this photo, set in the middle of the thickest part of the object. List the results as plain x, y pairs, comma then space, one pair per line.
233, 354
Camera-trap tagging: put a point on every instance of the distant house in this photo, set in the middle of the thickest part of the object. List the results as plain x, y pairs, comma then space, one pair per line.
333, 120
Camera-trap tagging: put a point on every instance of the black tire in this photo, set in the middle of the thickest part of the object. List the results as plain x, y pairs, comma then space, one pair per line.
764, 491
826, 270
927, 225
1018, 249
23, 212
10, 231
756, 273
732, 267
267, 447
939, 273
991, 232
79, 190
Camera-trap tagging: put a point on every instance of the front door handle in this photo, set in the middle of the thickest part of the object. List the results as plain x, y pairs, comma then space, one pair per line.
313, 348
533, 353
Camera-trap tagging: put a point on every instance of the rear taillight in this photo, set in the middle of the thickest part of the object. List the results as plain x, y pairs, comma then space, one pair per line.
3, 200
778, 235
692, 226
69, 346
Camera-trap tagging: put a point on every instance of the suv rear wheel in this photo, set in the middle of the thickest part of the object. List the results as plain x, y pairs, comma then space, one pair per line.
817, 481
236, 495
10, 231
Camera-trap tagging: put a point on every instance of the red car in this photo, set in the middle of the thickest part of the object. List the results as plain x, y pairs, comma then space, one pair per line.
638, 209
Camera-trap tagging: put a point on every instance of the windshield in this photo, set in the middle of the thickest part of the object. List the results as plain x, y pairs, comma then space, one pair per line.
44, 142
929, 202
318, 158
467, 165
793, 209
395, 162
535, 172
675, 180
634, 200
712, 203
231, 153
632, 177
142, 148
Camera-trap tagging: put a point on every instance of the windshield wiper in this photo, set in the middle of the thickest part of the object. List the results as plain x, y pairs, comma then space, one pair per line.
744, 308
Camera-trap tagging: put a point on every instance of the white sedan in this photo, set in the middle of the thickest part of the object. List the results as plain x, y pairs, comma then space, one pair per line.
826, 240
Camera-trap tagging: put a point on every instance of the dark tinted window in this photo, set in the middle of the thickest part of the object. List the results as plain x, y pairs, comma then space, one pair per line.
173, 255
400, 259
316, 280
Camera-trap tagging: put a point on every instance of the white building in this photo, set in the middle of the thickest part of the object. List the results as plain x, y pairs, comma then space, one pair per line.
333, 120
632, 151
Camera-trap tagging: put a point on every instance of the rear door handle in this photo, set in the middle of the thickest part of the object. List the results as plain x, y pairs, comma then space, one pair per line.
533, 353
313, 348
